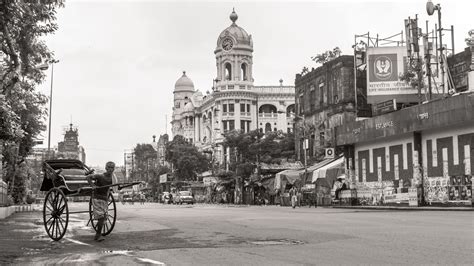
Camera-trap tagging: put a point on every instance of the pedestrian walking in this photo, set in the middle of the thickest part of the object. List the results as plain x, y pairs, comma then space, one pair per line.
100, 195
142, 198
294, 197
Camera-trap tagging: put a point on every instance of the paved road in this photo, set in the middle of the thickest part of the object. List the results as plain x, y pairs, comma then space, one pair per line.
218, 235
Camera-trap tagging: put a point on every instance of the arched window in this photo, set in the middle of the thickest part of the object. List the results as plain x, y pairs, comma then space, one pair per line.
267, 108
207, 135
228, 71
268, 127
243, 71
290, 110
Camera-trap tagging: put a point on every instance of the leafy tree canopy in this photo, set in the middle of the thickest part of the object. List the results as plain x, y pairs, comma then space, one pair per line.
23, 59
186, 159
145, 157
250, 148
22, 109
327, 56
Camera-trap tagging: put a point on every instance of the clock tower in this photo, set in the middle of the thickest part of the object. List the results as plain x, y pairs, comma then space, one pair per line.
234, 58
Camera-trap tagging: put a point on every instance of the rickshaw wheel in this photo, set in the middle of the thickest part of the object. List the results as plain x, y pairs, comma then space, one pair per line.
55, 214
110, 218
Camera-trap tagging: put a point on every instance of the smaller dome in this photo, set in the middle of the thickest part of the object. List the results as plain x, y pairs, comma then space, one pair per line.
184, 84
189, 107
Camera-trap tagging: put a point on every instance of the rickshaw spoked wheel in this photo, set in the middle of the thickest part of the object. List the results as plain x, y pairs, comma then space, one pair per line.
110, 218
55, 214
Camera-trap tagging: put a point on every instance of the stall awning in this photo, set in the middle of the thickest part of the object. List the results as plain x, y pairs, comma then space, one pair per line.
312, 168
287, 176
329, 171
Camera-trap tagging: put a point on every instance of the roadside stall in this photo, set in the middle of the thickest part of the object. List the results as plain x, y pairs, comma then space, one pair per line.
325, 178
284, 181
309, 189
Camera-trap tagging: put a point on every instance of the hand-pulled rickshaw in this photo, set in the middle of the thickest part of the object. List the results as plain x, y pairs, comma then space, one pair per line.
67, 178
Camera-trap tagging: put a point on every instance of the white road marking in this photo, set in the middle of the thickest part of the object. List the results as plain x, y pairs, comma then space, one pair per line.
150, 261
78, 242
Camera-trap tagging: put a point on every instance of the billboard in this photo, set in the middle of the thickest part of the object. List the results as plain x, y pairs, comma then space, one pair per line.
384, 67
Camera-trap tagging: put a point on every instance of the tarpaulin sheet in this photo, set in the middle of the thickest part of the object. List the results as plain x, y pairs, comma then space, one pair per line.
287, 176
329, 171
311, 169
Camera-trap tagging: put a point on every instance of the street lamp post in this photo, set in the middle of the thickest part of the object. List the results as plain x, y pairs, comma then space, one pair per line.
52, 62
430, 8
305, 144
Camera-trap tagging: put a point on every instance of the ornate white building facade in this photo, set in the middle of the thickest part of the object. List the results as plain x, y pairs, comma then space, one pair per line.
234, 103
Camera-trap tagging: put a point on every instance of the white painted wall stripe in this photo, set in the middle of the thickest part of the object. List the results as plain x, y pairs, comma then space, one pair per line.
445, 155
371, 161
379, 168
467, 160
405, 156
395, 166
455, 150
364, 169
444, 159
425, 155
434, 150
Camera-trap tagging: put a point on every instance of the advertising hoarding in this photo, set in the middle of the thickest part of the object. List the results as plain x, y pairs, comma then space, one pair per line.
385, 65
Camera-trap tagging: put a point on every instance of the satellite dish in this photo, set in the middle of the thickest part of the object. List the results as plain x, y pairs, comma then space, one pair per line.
430, 8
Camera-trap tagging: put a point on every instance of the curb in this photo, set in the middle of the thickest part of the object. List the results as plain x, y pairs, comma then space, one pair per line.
7, 211
402, 208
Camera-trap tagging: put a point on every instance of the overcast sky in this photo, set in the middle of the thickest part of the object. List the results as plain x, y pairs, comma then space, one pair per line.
119, 60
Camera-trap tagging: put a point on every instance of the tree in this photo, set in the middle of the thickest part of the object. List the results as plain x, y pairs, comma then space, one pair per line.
327, 56
413, 75
145, 161
186, 159
22, 108
252, 148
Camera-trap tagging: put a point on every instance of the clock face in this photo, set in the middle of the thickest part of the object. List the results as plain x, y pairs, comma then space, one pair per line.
227, 44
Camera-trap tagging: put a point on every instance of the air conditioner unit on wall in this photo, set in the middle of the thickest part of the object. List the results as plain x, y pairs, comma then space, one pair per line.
329, 153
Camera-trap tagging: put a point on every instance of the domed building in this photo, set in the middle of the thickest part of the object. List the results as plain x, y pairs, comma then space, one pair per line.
235, 102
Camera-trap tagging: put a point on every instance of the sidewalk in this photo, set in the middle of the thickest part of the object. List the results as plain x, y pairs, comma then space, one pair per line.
406, 208
7, 211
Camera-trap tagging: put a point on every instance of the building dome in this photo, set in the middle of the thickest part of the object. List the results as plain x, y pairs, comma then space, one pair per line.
184, 84
189, 107
236, 32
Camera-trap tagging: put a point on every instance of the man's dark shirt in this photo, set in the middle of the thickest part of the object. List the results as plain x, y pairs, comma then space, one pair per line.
102, 180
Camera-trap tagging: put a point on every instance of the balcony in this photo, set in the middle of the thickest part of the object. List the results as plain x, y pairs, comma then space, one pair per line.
268, 115
245, 114
227, 114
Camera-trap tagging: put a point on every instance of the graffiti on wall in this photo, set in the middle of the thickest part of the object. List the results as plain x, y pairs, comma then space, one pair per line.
436, 189
460, 188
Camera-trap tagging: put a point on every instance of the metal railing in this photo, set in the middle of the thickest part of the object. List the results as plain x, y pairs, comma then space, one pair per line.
267, 114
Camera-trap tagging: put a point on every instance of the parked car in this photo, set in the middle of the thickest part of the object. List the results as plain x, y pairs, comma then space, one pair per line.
128, 197
184, 197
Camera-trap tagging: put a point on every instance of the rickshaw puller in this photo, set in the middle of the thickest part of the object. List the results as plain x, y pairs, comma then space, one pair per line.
100, 195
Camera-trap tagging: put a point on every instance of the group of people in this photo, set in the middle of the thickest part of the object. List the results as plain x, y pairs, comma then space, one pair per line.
296, 197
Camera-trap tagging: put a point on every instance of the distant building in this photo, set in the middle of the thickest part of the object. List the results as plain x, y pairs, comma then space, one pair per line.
69, 148
161, 149
324, 100
235, 103
461, 67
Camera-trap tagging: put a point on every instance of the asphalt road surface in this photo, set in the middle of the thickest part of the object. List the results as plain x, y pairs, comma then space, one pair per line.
229, 235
